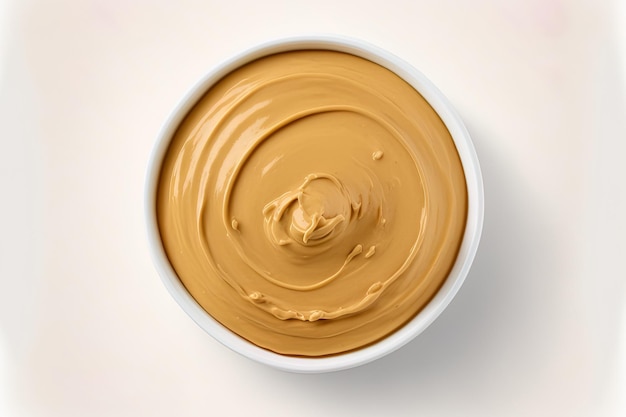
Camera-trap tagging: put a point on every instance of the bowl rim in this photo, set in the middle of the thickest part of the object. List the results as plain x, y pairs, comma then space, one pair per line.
438, 303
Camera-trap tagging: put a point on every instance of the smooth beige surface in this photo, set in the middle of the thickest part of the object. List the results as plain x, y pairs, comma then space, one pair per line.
312, 202
86, 327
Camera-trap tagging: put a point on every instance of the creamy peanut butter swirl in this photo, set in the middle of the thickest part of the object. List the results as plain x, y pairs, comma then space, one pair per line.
312, 202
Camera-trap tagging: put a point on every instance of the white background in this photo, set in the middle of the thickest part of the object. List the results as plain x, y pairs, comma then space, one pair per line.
87, 328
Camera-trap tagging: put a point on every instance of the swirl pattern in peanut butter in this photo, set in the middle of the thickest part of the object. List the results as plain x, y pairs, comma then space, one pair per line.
312, 202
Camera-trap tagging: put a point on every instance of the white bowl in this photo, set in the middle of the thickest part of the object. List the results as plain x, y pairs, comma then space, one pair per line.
429, 313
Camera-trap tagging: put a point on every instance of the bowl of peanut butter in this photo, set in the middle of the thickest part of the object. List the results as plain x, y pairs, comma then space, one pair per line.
314, 203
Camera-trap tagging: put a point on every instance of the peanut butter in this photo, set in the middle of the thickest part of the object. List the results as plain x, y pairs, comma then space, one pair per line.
312, 202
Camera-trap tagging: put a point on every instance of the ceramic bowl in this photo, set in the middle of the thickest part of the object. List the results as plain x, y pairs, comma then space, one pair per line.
429, 313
